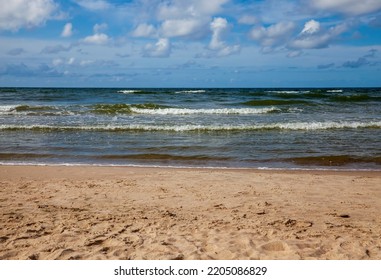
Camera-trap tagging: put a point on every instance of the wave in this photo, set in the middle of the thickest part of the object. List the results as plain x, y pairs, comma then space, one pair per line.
155, 109
221, 111
288, 91
115, 109
191, 91
25, 108
123, 108
202, 128
34, 110
335, 90
273, 102
128, 91
7, 108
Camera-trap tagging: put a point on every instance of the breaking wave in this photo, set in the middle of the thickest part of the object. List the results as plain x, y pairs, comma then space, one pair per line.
191, 91
184, 128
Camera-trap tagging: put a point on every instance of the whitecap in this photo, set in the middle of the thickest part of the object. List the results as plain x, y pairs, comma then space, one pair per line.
4, 109
195, 127
221, 111
128, 91
335, 91
191, 91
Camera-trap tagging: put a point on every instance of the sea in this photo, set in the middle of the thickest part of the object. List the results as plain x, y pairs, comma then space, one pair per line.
262, 128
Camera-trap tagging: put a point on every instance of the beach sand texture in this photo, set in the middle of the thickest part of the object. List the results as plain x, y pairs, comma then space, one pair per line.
58, 212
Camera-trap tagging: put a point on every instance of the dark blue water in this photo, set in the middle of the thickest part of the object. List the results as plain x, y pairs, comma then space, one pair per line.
259, 128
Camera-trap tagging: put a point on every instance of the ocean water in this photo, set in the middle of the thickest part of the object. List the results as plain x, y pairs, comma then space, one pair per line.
245, 128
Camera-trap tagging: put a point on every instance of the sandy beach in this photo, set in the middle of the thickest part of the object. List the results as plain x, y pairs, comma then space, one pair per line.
83, 212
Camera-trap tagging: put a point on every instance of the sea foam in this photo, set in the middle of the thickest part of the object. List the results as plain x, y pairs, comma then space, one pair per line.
196, 127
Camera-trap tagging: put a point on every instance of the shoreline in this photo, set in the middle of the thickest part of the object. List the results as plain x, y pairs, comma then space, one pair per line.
196, 167
92, 212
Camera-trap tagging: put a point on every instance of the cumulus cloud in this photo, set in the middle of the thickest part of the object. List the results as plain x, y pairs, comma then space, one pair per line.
15, 15
94, 5
311, 27
67, 30
183, 27
162, 48
273, 35
177, 9
313, 37
352, 7
97, 39
189, 19
144, 30
219, 26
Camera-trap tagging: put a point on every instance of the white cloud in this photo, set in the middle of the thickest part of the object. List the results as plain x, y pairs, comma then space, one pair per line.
219, 26
17, 14
177, 9
162, 48
183, 27
190, 19
274, 35
144, 30
317, 40
353, 7
67, 30
311, 27
94, 5
97, 38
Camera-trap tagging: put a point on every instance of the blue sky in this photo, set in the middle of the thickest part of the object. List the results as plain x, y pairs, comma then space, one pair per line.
193, 43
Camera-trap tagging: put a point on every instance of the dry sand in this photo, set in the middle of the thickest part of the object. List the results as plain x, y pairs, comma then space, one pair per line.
61, 212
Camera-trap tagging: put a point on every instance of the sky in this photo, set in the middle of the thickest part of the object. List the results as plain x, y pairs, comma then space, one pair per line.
190, 43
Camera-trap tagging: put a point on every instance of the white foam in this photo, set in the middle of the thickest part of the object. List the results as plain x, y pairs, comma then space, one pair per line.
4, 109
232, 168
222, 111
335, 90
191, 91
184, 128
288, 91
128, 91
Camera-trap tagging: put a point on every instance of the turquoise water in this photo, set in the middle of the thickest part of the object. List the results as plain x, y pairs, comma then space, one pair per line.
256, 128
